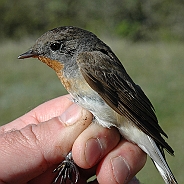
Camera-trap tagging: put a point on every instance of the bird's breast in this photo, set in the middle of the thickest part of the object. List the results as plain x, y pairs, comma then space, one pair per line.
58, 67
89, 99
83, 94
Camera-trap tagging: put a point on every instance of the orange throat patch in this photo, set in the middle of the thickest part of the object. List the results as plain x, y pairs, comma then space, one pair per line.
58, 67
55, 65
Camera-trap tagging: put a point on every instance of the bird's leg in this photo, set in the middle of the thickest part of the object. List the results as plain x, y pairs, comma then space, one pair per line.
67, 170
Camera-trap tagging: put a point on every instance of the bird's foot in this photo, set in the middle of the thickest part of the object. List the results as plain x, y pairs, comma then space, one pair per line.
67, 171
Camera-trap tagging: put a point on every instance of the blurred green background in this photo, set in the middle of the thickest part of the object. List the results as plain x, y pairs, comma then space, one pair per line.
147, 36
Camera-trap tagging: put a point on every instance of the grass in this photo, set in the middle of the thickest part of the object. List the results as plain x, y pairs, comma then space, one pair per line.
157, 67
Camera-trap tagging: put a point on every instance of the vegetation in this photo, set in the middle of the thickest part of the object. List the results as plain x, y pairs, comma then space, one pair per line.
134, 19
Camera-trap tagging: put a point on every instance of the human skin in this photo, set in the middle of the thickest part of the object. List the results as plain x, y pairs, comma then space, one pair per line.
35, 143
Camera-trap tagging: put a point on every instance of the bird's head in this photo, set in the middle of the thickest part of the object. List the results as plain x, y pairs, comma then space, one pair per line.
61, 44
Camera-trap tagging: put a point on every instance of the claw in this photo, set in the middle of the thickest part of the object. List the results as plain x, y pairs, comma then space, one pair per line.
67, 170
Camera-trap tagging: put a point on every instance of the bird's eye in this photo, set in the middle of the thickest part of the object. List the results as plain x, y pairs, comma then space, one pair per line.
55, 46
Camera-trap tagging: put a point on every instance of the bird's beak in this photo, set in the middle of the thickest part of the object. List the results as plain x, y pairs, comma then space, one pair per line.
28, 54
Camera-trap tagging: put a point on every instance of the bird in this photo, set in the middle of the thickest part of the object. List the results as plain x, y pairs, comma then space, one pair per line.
97, 81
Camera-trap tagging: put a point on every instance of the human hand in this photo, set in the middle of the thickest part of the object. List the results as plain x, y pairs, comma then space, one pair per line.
34, 144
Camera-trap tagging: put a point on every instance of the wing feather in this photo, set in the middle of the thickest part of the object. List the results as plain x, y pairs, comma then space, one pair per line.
106, 75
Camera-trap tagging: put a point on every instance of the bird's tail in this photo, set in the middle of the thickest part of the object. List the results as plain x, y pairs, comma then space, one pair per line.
148, 145
160, 163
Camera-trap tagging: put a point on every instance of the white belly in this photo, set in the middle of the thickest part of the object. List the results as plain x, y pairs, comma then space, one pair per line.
103, 114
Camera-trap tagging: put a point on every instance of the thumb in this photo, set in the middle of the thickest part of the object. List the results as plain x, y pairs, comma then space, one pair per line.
30, 151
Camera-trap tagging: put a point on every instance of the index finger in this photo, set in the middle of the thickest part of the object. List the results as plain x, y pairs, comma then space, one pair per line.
43, 112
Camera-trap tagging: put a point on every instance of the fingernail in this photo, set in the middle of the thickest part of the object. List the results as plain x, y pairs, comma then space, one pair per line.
119, 166
71, 115
93, 151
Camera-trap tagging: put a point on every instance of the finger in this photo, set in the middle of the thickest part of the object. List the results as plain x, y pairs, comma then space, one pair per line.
121, 164
47, 177
43, 112
93, 144
28, 152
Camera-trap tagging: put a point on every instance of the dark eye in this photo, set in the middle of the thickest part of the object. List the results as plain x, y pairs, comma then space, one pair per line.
55, 46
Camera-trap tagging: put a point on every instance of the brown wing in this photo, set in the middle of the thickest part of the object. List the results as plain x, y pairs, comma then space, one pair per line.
106, 75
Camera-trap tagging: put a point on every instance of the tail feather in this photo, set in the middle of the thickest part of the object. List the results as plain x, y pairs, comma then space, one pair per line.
166, 174
159, 160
